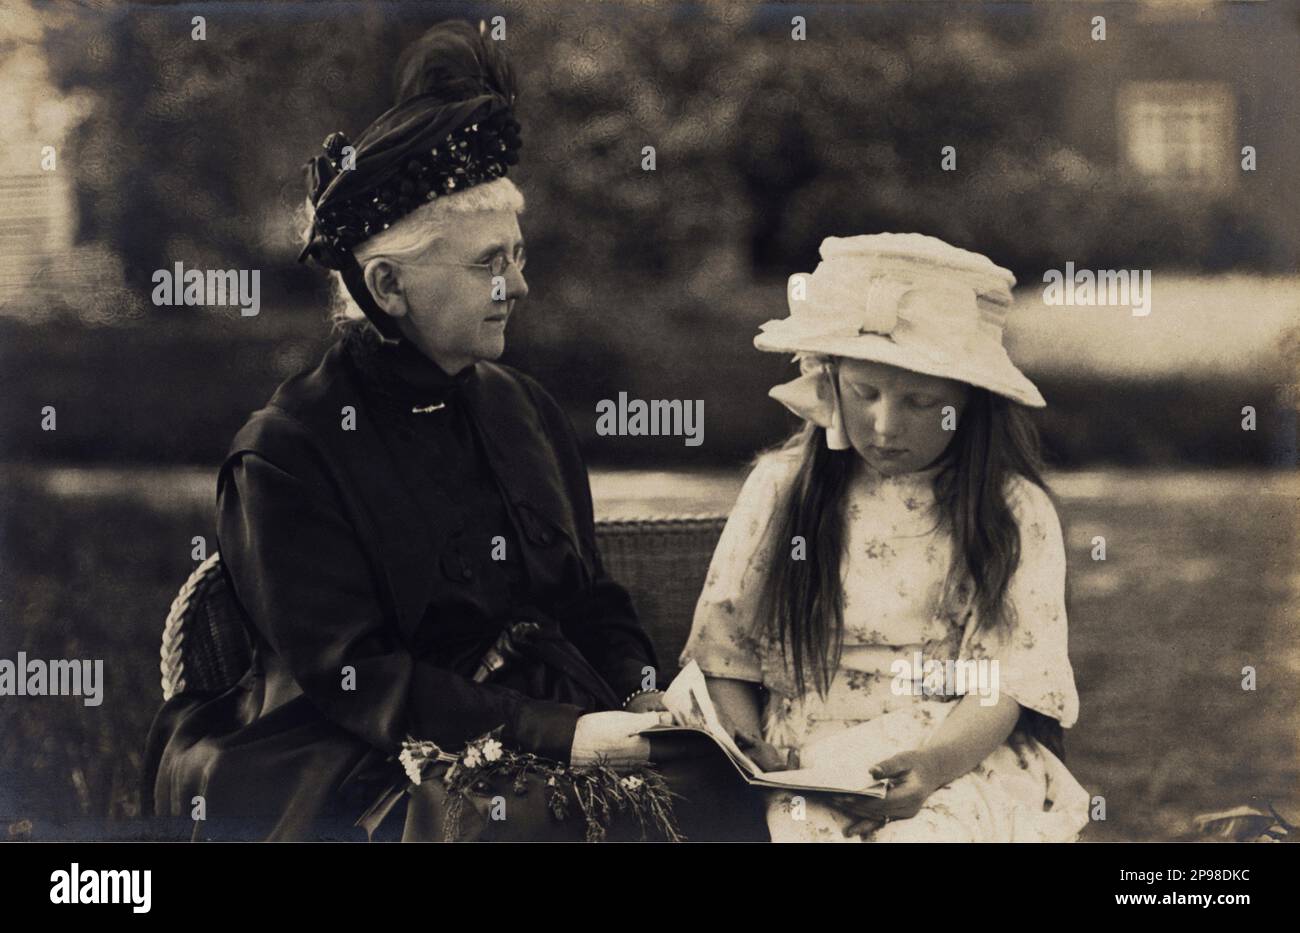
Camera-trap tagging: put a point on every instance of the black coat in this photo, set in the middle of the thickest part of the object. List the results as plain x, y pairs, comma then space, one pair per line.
359, 538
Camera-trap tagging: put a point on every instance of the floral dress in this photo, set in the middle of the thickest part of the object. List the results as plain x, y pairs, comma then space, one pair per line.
894, 569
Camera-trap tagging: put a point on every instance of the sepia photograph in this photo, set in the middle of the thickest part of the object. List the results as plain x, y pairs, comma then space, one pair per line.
566, 421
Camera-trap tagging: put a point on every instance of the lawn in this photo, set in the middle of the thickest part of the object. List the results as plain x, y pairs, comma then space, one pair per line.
1200, 580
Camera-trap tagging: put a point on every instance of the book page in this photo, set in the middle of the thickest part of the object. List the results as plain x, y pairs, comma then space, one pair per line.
687, 698
841, 761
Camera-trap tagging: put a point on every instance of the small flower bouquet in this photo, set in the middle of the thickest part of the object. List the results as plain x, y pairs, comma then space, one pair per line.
600, 791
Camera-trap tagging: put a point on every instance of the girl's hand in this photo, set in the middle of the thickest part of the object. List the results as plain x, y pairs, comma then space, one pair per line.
912, 780
764, 755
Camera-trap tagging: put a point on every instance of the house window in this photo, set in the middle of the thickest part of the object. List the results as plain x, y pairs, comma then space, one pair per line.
1179, 133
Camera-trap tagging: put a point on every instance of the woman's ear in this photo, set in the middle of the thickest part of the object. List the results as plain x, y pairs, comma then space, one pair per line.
384, 280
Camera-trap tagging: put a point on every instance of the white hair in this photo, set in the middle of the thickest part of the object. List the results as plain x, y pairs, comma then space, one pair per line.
412, 235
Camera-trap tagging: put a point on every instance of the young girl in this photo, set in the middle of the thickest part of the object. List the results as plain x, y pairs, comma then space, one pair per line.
904, 528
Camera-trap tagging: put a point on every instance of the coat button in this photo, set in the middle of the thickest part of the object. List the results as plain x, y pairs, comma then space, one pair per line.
537, 530
456, 567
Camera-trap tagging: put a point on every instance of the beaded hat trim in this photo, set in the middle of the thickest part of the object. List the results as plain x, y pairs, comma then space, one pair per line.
474, 152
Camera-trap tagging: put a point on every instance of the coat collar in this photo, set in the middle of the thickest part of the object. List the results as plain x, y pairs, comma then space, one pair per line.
503, 412
516, 442
407, 514
401, 374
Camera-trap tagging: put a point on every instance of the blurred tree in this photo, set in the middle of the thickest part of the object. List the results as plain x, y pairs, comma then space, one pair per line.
193, 150
764, 144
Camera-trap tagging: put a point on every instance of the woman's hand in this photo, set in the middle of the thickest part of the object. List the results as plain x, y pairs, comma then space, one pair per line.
764, 755
613, 738
912, 779
650, 702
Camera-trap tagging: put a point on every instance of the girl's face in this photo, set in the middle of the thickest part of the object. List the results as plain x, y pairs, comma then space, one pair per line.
895, 418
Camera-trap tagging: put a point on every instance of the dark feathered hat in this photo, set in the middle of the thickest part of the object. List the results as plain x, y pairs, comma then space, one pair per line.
452, 127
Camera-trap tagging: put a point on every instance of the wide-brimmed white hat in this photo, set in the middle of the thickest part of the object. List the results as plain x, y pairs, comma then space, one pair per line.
902, 299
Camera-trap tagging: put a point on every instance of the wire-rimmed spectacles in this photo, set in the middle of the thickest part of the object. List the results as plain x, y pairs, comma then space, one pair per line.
498, 264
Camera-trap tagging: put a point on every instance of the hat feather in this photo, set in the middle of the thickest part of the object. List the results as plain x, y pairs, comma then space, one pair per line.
455, 62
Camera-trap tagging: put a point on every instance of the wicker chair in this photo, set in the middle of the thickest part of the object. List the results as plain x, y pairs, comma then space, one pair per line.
662, 562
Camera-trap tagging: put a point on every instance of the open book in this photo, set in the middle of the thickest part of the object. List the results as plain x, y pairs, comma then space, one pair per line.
836, 765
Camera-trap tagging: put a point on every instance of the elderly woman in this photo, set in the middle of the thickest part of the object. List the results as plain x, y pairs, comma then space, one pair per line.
409, 526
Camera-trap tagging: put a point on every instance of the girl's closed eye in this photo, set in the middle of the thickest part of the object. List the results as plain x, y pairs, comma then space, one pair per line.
923, 401
867, 393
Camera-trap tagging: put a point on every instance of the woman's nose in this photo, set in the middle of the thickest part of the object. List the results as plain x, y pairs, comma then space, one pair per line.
516, 284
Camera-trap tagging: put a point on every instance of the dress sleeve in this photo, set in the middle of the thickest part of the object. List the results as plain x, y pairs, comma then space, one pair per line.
722, 639
1033, 660
301, 574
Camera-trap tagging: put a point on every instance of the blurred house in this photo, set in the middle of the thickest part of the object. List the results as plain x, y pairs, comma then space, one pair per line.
40, 265
1173, 95
35, 227
1170, 99
40, 260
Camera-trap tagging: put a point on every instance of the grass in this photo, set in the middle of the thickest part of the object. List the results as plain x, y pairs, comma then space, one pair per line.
1199, 580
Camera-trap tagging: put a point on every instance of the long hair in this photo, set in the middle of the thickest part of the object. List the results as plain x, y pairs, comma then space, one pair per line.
801, 603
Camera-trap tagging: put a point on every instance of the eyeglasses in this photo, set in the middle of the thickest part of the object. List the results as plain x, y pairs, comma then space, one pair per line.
497, 265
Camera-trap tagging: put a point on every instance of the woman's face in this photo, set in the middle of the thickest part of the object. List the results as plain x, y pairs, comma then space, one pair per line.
451, 313
894, 417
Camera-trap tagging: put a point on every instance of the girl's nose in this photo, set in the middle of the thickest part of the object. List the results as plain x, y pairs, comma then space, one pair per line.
885, 420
